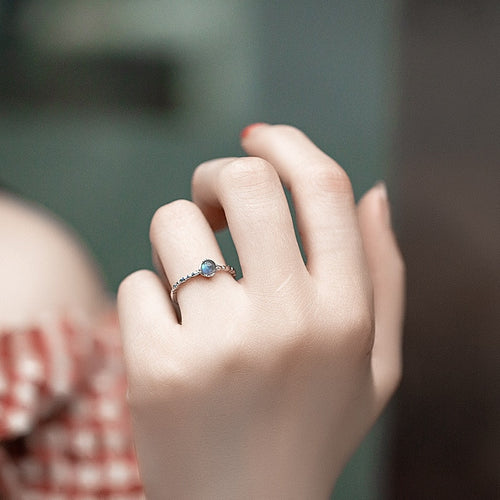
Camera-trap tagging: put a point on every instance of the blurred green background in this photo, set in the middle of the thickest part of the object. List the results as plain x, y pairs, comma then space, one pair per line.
107, 107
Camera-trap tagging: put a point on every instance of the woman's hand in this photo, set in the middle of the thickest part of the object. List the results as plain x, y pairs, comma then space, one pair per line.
270, 382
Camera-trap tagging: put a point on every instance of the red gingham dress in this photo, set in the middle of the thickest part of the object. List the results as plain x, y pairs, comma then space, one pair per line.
64, 423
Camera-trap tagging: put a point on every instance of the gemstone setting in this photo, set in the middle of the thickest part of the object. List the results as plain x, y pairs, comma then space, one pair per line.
208, 268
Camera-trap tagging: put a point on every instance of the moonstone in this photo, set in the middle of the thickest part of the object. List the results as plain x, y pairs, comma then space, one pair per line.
207, 268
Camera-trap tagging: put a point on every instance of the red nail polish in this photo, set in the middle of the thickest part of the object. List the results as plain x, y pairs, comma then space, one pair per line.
246, 131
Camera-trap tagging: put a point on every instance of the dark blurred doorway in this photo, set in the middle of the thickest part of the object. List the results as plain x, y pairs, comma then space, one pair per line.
448, 421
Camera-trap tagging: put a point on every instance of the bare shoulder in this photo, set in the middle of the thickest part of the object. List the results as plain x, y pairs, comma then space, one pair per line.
43, 266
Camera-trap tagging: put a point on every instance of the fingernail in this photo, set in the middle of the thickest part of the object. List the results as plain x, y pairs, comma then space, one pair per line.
246, 131
382, 192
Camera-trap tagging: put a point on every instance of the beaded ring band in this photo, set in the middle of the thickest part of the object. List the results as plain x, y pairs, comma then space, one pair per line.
207, 269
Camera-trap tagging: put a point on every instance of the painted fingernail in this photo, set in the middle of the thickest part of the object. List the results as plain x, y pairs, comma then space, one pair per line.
246, 131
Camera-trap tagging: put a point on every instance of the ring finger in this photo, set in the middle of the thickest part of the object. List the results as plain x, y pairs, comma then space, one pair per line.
182, 238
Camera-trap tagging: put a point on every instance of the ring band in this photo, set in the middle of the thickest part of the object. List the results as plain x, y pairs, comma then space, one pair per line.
207, 269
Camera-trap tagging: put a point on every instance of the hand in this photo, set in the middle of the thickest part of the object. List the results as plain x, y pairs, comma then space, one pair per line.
270, 382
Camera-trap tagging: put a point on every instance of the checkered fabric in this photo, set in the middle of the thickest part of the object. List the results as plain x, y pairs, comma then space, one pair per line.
64, 423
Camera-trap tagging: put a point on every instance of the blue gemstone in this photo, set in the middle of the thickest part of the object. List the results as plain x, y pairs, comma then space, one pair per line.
207, 268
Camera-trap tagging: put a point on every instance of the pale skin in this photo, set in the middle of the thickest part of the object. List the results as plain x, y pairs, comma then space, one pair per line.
44, 268
269, 383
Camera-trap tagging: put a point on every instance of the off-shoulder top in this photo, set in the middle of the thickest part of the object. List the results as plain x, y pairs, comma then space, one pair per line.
64, 423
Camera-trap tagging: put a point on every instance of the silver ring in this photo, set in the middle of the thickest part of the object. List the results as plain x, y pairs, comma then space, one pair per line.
207, 269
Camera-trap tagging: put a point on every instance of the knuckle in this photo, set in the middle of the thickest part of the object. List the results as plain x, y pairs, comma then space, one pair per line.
200, 171
247, 172
331, 178
169, 214
327, 174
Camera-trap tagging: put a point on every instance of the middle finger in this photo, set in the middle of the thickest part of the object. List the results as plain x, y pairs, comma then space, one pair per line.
250, 193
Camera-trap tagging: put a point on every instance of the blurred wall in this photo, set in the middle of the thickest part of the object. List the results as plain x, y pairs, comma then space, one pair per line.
108, 106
